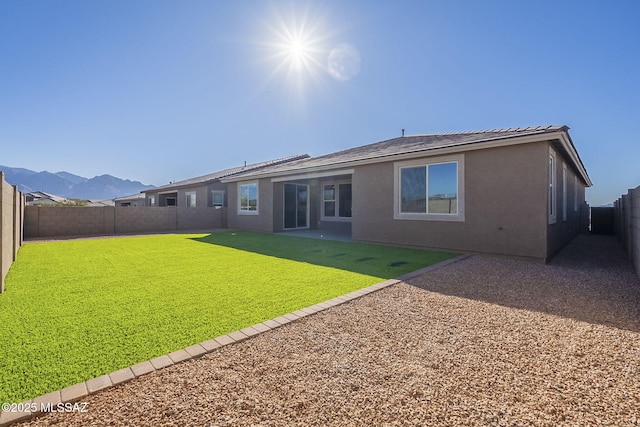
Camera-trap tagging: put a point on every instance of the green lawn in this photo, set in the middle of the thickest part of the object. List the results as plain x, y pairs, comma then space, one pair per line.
74, 310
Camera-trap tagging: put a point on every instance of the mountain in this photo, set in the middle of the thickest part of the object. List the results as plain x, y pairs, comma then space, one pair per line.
72, 186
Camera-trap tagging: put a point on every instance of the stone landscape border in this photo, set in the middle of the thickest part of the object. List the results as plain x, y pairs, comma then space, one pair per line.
74, 393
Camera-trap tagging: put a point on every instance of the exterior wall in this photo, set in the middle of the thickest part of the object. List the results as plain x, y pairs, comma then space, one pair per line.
627, 225
278, 206
99, 221
505, 205
315, 207
264, 220
203, 194
11, 223
137, 203
563, 231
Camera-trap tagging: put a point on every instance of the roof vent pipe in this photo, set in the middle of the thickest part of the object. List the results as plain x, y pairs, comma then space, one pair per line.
402, 132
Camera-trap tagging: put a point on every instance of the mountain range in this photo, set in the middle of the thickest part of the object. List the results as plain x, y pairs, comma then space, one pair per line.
72, 186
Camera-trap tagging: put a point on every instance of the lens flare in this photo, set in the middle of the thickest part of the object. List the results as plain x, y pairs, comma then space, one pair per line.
343, 62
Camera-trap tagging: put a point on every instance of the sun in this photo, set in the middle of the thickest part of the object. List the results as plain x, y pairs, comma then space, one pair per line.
295, 44
298, 54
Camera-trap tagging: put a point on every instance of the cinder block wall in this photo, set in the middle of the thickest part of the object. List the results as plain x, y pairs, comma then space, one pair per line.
11, 222
627, 224
145, 219
59, 221
45, 222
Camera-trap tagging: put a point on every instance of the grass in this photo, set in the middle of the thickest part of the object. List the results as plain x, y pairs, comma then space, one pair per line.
74, 310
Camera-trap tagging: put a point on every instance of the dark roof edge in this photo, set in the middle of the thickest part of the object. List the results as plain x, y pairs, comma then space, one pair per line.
225, 173
525, 133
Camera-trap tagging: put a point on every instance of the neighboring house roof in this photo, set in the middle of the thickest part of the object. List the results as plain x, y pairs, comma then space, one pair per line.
100, 203
408, 146
131, 198
216, 176
38, 197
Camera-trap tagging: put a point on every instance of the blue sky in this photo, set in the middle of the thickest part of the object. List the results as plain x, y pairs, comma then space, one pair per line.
159, 91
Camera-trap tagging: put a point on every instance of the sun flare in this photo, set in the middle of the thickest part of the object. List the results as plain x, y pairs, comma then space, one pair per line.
298, 54
296, 46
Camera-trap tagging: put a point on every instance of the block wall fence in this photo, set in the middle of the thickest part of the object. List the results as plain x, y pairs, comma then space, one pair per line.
627, 224
11, 226
62, 221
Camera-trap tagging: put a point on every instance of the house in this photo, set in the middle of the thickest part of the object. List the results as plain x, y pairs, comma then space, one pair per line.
517, 192
100, 203
206, 190
42, 198
134, 200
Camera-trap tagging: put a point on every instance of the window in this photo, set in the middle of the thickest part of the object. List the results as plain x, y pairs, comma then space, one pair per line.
248, 198
430, 190
152, 200
564, 192
329, 195
191, 200
217, 198
336, 201
552, 187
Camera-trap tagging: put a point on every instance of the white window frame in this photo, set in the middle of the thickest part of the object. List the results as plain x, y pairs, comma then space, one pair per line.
242, 211
552, 187
213, 198
188, 195
397, 190
564, 192
336, 217
152, 200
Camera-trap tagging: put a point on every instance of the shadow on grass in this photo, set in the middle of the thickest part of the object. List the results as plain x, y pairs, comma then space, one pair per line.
590, 280
373, 260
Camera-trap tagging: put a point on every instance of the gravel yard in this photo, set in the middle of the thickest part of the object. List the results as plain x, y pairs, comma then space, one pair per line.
484, 341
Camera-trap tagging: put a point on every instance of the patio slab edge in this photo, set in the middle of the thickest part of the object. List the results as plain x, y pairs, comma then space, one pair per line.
74, 393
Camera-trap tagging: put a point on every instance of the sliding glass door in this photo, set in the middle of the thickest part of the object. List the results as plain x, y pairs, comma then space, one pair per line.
296, 206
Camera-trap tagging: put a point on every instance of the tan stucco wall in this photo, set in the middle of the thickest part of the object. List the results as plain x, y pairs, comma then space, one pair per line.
203, 194
505, 205
560, 233
11, 222
263, 221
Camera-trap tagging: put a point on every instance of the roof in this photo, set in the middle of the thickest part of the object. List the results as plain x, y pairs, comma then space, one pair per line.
38, 197
412, 144
100, 203
216, 176
131, 197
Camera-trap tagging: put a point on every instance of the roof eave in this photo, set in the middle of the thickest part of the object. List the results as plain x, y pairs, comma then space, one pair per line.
561, 134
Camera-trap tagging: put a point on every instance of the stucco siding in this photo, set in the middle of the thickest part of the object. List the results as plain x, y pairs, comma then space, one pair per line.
565, 228
504, 203
263, 219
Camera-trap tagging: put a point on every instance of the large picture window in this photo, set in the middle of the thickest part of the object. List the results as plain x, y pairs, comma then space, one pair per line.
336, 201
430, 190
248, 196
